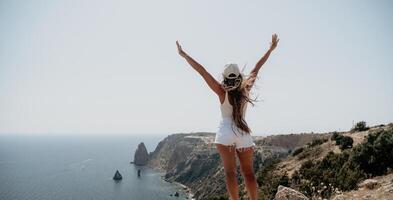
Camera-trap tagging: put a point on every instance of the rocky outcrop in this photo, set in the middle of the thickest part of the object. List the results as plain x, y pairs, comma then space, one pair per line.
286, 193
141, 157
369, 184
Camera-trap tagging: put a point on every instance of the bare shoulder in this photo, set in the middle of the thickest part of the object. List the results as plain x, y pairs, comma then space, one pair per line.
221, 96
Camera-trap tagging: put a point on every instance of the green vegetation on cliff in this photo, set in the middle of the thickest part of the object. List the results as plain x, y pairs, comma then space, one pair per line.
343, 171
344, 142
323, 171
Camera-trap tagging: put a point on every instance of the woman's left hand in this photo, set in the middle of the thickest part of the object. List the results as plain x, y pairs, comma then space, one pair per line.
181, 52
274, 42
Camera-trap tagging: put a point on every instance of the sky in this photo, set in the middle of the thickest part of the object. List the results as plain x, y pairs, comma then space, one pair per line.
112, 67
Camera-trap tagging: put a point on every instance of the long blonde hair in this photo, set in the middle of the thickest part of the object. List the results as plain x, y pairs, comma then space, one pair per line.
238, 99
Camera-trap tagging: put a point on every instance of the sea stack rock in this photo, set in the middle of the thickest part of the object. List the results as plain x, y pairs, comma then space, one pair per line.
141, 156
117, 176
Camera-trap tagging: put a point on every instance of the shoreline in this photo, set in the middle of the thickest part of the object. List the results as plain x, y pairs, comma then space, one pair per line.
162, 173
186, 189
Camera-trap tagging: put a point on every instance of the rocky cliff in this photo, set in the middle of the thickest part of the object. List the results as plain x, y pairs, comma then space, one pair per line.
177, 148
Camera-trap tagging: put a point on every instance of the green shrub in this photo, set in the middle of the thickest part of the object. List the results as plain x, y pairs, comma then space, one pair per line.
346, 142
360, 126
335, 135
339, 139
284, 180
375, 156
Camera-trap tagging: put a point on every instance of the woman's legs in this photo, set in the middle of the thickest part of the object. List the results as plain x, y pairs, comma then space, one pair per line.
228, 158
246, 166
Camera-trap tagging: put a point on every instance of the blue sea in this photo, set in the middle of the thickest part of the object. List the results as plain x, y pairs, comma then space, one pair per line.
65, 167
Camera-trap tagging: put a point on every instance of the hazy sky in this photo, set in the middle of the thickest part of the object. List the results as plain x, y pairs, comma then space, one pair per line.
111, 67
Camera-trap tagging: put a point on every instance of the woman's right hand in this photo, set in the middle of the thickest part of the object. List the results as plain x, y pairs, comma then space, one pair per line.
181, 52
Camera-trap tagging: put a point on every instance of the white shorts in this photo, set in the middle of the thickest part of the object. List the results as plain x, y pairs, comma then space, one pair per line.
226, 136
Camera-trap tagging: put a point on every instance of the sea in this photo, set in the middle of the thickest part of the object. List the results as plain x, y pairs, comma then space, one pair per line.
79, 167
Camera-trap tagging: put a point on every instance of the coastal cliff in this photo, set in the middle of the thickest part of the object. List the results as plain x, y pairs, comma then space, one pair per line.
177, 148
315, 165
192, 159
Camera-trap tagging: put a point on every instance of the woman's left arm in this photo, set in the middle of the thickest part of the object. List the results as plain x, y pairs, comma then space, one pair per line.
258, 66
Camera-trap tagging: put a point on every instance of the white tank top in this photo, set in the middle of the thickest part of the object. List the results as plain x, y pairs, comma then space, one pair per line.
227, 109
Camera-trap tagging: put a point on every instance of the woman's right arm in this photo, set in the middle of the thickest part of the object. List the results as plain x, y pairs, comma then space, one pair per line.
210, 80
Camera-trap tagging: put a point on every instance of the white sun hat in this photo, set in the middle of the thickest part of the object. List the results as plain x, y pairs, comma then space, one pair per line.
231, 71
232, 78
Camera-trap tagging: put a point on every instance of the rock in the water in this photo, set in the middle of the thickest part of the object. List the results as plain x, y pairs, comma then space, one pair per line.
369, 184
117, 176
139, 172
286, 193
176, 194
141, 156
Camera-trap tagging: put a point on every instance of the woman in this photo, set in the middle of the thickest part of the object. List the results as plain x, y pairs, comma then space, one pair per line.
234, 136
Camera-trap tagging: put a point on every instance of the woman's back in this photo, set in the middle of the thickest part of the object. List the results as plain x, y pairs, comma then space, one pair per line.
227, 108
